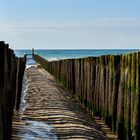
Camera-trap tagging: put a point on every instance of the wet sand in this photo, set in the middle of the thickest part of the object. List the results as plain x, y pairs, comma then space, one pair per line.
48, 111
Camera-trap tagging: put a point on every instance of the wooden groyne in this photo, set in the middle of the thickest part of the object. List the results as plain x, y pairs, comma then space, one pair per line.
107, 85
11, 74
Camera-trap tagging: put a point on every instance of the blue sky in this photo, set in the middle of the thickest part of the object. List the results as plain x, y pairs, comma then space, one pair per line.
70, 24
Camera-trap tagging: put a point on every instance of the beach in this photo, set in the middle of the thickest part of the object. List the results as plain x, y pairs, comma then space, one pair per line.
52, 112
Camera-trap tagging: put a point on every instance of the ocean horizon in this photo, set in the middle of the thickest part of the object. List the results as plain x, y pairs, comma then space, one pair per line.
58, 54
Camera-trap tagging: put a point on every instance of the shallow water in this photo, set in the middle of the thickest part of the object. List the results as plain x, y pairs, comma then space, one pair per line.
23, 104
38, 130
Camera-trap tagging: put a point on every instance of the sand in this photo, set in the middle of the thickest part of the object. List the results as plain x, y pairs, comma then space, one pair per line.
52, 113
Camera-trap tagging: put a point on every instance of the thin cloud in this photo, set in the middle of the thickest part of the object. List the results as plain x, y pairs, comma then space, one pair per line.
104, 23
115, 22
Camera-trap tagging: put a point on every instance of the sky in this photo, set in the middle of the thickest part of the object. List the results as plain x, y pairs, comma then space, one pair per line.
70, 24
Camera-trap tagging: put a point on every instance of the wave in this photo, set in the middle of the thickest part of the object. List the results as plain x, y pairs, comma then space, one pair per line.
30, 65
53, 59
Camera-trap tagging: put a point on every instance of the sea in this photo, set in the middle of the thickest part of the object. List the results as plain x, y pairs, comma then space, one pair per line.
52, 55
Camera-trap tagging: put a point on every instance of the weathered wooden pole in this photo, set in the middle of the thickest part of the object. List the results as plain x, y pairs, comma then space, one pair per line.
108, 85
8, 72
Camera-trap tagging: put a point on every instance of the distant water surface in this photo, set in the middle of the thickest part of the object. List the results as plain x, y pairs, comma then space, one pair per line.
65, 54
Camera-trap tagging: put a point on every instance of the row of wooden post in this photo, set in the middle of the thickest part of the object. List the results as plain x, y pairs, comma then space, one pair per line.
107, 85
11, 75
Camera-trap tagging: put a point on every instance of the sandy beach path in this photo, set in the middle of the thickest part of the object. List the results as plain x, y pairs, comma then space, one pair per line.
51, 113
